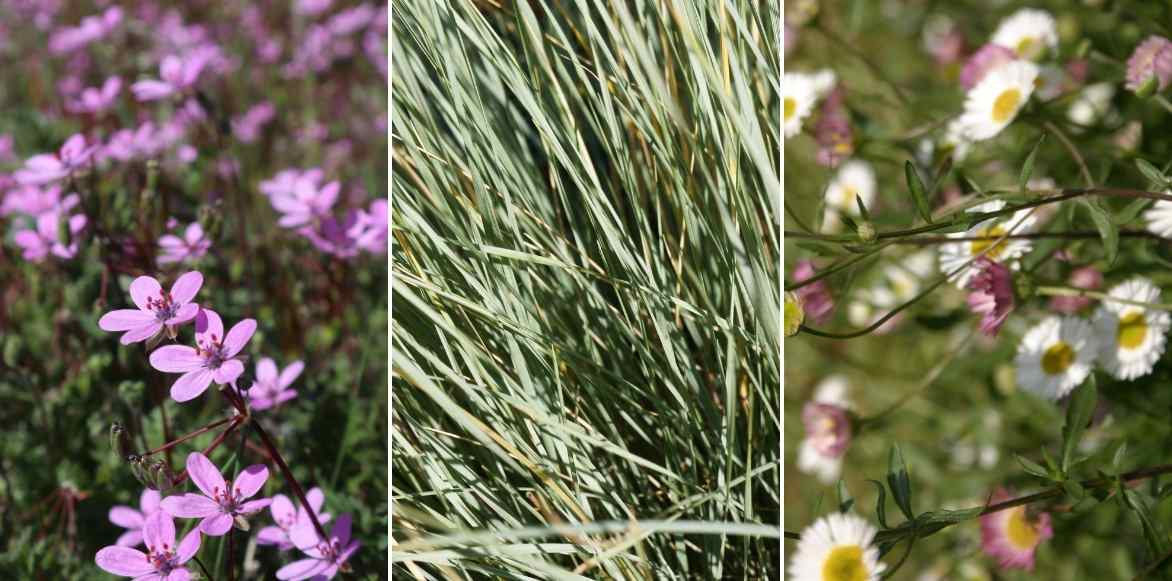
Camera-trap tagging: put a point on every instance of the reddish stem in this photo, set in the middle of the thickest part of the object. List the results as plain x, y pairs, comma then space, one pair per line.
187, 437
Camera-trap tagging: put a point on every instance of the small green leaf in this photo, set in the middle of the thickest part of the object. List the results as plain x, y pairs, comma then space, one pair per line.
862, 209
1117, 459
1074, 490
881, 503
1027, 168
1033, 467
850, 222
1107, 230
1153, 173
916, 186
1130, 212
1078, 414
1141, 505
899, 482
845, 500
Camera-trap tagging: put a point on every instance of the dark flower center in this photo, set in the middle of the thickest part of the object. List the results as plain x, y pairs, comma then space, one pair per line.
164, 307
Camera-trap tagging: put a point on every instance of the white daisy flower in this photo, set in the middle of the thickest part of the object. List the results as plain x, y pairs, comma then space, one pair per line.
1092, 104
837, 547
1055, 356
823, 82
1028, 32
799, 92
954, 255
992, 105
854, 178
1159, 217
1131, 337
813, 456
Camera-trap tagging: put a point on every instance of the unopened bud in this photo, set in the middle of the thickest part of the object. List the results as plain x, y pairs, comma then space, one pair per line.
795, 315
241, 523
867, 232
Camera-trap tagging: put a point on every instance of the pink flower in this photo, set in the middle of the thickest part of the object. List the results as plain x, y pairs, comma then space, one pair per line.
351, 20
305, 202
986, 59
46, 239
1011, 536
156, 307
247, 127
47, 167
271, 388
816, 300
221, 502
95, 100
1153, 57
833, 131
192, 246
313, 7
992, 295
178, 75
286, 515
134, 520
370, 231
1087, 277
828, 428
34, 201
213, 358
163, 562
90, 29
326, 556
333, 236
289, 180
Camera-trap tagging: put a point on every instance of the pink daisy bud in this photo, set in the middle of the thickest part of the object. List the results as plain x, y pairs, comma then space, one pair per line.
833, 131
815, 297
1087, 277
992, 295
1153, 57
986, 59
1011, 536
828, 428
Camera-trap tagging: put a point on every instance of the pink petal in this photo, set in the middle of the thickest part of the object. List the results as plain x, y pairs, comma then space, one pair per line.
238, 336
125, 320
126, 517
176, 359
193, 233
181, 574
188, 547
151, 90
208, 325
282, 508
255, 506
171, 243
186, 286
316, 498
285, 396
129, 538
302, 569
190, 506
266, 370
142, 288
123, 561
259, 403
215, 526
228, 371
341, 530
184, 314
327, 196
141, 333
250, 480
159, 530
205, 475
273, 536
191, 385
149, 501
291, 373
303, 535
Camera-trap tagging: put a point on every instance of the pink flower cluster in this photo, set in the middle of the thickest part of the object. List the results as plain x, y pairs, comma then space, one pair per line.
307, 204
45, 225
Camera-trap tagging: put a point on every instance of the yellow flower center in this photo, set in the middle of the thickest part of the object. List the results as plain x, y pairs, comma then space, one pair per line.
1022, 534
845, 564
1057, 358
848, 198
791, 107
1133, 329
1025, 47
987, 237
1005, 105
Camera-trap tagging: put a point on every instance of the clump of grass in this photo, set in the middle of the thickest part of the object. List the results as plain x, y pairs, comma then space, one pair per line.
585, 258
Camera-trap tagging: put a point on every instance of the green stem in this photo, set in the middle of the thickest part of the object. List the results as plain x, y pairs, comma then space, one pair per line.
1065, 291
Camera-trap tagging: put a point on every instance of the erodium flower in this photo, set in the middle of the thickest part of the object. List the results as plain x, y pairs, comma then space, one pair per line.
157, 308
837, 547
95, 100
1055, 356
163, 560
271, 387
247, 127
1012, 536
133, 520
221, 502
326, 556
192, 246
1152, 58
46, 238
305, 203
286, 515
212, 359
992, 294
46, 168
178, 75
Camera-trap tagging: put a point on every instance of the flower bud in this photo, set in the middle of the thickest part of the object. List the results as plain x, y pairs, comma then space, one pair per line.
241, 523
867, 232
794, 315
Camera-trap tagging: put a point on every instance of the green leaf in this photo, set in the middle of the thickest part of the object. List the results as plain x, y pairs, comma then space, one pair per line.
899, 482
1154, 533
1078, 414
880, 503
1117, 459
1107, 229
916, 186
1153, 173
1027, 168
845, 500
862, 209
1033, 467
1074, 490
1130, 212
